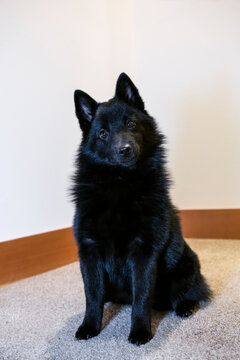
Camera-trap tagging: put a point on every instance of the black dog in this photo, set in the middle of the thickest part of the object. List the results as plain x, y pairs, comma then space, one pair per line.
128, 233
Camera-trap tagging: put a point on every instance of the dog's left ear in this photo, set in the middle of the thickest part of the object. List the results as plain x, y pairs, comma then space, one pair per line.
127, 92
85, 108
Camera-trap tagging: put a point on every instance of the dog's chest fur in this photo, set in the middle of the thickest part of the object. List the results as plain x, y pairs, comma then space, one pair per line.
114, 211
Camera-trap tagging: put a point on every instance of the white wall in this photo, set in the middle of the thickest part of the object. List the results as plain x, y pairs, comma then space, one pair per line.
48, 49
188, 70
185, 55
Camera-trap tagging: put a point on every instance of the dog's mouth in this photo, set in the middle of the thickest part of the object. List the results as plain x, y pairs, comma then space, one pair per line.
128, 162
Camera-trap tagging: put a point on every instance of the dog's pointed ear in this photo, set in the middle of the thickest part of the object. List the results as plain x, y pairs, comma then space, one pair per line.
85, 108
127, 92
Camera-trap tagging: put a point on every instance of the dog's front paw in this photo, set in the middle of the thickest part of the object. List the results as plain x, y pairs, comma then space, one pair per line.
140, 336
86, 332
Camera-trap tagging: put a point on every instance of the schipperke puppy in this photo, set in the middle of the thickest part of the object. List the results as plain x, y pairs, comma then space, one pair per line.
128, 233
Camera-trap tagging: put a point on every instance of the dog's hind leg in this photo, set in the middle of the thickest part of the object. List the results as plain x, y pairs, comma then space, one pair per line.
188, 286
186, 308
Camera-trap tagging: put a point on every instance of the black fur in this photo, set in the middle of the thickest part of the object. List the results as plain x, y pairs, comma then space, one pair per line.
128, 233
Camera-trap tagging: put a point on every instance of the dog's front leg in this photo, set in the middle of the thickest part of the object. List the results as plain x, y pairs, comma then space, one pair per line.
143, 276
93, 278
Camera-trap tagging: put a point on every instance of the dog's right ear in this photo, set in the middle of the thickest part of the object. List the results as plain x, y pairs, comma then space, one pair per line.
85, 108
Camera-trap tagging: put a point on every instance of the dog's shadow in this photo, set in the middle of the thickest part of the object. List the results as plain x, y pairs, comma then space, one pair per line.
110, 312
114, 334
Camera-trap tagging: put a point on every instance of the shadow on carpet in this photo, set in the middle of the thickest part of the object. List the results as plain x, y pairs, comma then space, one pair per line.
111, 343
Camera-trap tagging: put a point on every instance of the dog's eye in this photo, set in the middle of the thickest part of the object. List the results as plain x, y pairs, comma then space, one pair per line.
103, 134
131, 124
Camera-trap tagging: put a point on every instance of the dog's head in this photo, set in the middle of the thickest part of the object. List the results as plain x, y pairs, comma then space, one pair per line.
118, 132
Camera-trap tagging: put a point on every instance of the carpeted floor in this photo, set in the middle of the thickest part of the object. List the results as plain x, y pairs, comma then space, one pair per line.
39, 316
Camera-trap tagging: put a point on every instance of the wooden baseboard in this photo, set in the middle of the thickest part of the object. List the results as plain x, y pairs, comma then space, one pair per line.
36, 254
32, 255
211, 223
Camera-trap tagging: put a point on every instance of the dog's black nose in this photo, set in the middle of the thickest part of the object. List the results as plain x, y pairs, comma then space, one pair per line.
125, 150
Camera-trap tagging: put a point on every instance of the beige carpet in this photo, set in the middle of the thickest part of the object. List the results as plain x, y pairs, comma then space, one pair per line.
39, 316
